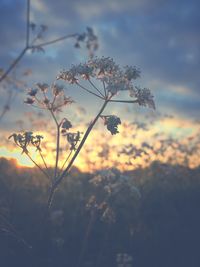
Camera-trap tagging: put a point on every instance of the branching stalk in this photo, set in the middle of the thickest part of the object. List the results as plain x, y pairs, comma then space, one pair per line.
65, 172
38, 166
94, 86
81, 86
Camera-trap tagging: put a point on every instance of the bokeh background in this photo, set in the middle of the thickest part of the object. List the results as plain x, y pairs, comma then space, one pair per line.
145, 211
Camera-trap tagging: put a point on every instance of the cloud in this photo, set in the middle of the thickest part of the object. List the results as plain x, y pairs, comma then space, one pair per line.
161, 37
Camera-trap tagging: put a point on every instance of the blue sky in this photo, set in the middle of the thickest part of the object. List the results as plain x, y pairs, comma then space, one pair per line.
160, 37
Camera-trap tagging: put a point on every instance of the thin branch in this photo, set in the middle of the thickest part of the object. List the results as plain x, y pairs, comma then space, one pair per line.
88, 90
104, 87
66, 160
28, 23
38, 166
43, 160
12, 232
57, 151
93, 85
124, 101
54, 41
57, 141
54, 117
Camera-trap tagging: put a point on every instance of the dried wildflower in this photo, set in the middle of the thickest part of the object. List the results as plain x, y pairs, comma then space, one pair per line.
112, 123
144, 97
104, 65
115, 79
83, 70
29, 101
57, 90
32, 92
22, 140
131, 73
68, 76
66, 125
25, 139
43, 86
36, 141
117, 83
46, 101
90, 40
73, 139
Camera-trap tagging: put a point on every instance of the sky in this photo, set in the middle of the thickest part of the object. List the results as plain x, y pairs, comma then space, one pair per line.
160, 37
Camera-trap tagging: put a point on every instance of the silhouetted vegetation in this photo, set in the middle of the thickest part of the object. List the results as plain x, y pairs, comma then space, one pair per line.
160, 228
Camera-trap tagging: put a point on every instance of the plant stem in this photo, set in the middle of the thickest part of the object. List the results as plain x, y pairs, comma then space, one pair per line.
60, 178
93, 85
89, 90
54, 41
124, 101
38, 166
43, 160
57, 151
57, 142
66, 160
28, 23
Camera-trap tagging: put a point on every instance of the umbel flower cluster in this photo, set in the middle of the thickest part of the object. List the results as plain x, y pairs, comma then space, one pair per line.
26, 139
114, 79
100, 77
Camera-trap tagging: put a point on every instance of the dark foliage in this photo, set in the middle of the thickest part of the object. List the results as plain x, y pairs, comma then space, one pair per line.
161, 229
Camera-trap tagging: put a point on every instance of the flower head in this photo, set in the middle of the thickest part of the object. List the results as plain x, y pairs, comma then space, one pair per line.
29, 101
131, 73
57, 90
144, 97
32, 92
73, 139
112, 123
43, 86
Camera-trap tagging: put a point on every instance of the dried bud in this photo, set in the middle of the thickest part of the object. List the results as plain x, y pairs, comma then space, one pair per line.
29, 101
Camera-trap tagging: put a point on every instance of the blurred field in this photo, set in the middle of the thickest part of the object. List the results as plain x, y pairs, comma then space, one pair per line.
160, 228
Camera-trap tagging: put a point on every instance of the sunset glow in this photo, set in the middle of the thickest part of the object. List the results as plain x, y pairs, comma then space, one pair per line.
102, 150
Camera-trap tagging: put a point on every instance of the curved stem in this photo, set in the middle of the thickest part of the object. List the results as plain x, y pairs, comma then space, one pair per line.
60, 178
